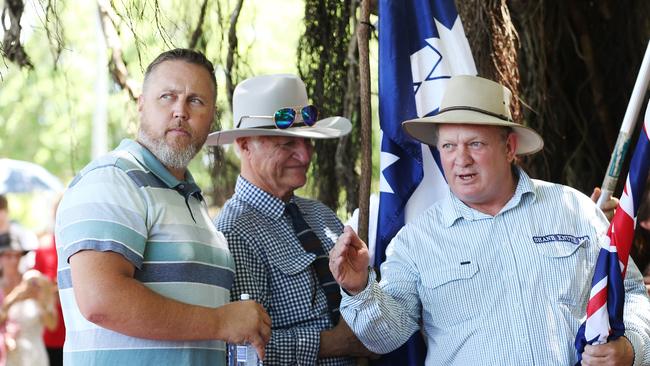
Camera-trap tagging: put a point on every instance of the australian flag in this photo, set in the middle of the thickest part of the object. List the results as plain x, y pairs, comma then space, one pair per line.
605, 307
421, 45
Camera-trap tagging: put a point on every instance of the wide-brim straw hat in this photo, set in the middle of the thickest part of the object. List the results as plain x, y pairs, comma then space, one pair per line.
477, 101
256, 100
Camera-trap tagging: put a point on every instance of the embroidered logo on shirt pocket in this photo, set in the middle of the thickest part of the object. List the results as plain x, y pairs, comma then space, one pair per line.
565, 265
449, 294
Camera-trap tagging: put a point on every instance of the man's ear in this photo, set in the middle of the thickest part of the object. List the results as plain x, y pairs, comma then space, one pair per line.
140, 103
512, 141
243, 145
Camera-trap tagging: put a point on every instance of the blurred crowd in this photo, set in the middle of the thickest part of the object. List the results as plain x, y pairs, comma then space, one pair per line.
32, 331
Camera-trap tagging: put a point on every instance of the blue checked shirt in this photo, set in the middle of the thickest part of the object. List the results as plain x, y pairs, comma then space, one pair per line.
272, 266
505, 290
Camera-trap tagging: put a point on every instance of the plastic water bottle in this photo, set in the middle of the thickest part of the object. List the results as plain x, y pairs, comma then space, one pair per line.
243, 354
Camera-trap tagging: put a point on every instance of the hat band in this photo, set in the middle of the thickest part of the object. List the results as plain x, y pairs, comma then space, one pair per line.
273, 126
474, 109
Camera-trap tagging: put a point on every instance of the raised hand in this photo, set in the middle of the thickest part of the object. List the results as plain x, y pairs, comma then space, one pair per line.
609, 207
349, 261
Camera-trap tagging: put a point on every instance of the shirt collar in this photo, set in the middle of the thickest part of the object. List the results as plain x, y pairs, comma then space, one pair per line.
264, 202
454, 209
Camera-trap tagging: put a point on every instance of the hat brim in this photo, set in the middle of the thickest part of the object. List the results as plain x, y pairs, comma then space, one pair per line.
422, 129
327, 128
8, 249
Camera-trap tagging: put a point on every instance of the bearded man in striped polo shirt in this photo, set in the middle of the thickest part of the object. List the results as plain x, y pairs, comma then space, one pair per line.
144, 277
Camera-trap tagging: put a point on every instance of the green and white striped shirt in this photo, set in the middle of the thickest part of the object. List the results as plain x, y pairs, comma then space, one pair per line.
127, 202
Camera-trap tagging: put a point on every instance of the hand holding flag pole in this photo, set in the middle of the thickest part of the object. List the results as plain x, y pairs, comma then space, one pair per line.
607, 296
627, 127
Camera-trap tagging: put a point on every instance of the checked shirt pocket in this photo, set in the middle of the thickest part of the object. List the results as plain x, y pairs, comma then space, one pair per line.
449, 293
567, 275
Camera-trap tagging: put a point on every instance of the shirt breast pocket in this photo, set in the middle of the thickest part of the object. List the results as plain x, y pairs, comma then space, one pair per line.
293, 290
567, 276
449, 294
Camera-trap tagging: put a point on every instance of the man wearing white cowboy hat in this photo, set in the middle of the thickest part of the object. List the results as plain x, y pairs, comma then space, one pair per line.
499, 271
280, 241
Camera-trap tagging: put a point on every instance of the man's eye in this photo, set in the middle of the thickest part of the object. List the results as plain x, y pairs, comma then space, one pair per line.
196, 101
446, 146
166, 96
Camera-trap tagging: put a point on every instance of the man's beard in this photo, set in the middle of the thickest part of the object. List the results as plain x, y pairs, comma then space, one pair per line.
168, 156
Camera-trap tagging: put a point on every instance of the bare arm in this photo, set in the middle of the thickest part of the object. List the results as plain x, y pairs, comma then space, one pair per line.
109, 296
340, 341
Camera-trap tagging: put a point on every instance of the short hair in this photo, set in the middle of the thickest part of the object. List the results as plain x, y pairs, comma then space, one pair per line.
186, 55
4, 204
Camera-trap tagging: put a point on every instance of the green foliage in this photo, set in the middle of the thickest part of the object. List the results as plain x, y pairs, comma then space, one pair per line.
46, 113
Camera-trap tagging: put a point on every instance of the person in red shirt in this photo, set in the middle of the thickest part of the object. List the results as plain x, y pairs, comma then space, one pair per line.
46, 263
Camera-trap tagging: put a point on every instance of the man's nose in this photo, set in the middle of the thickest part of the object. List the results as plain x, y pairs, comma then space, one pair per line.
463, 157
180, 109
303, 150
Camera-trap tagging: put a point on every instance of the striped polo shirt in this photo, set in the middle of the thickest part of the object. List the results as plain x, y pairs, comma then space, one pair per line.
127, 202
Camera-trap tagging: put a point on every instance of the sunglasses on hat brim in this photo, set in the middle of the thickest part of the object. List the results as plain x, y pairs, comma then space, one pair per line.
284, 118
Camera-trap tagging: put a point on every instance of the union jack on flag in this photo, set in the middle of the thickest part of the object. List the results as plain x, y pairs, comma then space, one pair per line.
606, 299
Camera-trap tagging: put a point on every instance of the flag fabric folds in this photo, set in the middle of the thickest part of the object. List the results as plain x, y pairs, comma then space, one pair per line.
421, 45
605, 307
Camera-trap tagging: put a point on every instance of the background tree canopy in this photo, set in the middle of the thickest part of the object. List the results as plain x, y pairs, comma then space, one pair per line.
571, 63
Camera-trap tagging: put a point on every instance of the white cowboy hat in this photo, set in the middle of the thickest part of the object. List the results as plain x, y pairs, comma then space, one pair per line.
255, 101
474, 100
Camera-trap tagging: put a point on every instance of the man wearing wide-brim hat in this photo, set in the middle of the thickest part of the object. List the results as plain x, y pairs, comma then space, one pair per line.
498, 272
280, 241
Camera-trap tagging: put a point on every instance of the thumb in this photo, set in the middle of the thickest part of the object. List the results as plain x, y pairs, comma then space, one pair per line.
354, 239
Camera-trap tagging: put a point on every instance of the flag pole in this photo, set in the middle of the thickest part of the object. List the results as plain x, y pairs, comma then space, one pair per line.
624, 135
366, 138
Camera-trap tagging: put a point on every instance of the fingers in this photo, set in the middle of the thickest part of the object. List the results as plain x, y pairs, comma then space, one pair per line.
609, 206
348, 239
263, 334
342, 244
595, 195
354, 239
600, 350
260, 348
615, 352
264, 327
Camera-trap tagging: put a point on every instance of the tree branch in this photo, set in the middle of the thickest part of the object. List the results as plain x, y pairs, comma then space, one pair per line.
116, 65
232, 50
198, 31
12, 49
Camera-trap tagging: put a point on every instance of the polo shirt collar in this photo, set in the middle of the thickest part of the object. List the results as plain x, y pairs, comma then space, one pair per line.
454, 209
264, 202
188, 187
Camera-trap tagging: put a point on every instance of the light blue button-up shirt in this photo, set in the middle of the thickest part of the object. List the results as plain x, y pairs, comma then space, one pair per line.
509, 289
